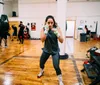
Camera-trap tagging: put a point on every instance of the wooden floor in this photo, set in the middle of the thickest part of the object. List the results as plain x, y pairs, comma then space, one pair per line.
19, 64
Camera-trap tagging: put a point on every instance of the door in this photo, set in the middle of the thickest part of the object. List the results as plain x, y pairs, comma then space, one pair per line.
70, 34
70, 29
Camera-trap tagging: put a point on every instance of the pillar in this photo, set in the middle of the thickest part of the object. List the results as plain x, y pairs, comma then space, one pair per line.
1, 7
61, 20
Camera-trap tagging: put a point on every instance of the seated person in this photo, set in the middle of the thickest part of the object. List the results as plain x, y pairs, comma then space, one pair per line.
88, 33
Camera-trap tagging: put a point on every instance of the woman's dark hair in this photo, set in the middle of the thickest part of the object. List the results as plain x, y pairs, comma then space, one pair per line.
50, 16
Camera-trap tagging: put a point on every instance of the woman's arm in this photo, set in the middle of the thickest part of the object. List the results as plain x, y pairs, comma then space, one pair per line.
42, 35
60, 38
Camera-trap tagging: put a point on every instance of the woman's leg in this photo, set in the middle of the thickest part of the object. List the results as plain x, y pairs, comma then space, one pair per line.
56, 61
0, 40
43, 60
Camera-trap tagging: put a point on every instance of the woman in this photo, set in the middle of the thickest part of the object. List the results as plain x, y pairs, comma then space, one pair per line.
50, 35
21, 33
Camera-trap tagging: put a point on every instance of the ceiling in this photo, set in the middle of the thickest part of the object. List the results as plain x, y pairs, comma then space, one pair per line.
56, 0
82, 0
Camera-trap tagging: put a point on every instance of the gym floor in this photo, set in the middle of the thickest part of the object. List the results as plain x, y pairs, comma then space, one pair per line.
19, 64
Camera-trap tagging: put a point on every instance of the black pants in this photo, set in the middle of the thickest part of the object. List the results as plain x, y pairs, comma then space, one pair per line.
3, 35
55, 58
21, 38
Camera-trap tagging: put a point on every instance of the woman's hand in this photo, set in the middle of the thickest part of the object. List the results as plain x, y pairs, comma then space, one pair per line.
58, 33
55, 30
46, 29
44, 32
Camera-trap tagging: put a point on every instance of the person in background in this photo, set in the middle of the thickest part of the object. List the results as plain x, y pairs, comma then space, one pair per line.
28, 29
50, 35
14, 35
21, 23
4, 28
26, 33
86, 29
88, 33
21, 32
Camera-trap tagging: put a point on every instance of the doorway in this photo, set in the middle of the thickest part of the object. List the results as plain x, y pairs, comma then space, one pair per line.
70, 32
70, 35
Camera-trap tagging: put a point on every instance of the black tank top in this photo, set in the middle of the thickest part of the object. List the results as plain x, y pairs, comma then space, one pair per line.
51, 43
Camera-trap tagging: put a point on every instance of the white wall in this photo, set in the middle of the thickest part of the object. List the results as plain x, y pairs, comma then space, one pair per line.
36, 12
30, 11
88, 12
8, 8
70, 28
1, 9
83, 9
15, 7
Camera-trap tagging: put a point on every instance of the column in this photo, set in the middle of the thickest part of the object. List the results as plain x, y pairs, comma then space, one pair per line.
61, 20
1, 7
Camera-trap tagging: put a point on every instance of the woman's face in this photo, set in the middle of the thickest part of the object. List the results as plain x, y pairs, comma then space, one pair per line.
50, 23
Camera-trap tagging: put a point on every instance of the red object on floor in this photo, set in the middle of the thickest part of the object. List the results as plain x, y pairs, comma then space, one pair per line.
20, 36
86, 62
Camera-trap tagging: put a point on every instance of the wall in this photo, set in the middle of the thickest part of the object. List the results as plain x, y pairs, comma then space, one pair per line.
31, 11
90, 22
88, 12
83, 9
1, 7
36, 12
15, 7
10, 6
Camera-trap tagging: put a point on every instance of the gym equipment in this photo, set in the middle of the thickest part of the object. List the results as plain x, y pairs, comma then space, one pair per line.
13, 14
92, 68
82, 37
